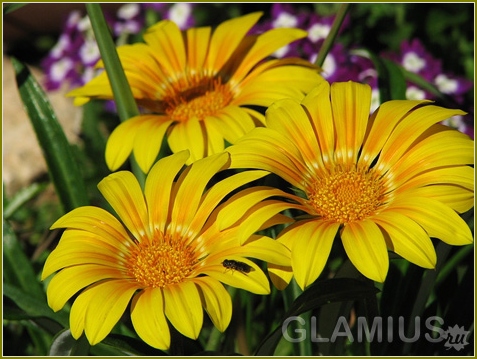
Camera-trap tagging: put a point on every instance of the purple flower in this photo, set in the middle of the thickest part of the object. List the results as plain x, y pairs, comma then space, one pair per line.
415, 58
454, 86
286, 15
130, 19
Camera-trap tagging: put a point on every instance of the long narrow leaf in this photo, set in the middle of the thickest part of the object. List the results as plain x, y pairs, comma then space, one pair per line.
12, 7
65, 345
33, 306
17, 268
122, 93
315, 296
331, 38
61, 163
391, 80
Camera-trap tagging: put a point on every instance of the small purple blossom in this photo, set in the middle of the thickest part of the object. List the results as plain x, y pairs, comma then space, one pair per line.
415, 58
130, 19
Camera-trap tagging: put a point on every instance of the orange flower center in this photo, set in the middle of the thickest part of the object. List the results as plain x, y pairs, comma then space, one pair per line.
346, 195
203, 97
161, 262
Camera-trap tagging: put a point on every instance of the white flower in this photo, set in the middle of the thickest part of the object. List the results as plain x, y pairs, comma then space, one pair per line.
445, 84
179, 13
285, 20
413, 93
128, 11
60, 68
318, 32
412, 62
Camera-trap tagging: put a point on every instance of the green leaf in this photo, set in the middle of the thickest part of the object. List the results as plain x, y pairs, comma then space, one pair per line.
315, 296
129, 346
122, 93
391, 80
62, 165
17, 268
65, 345
21, 197
33, 306
331, 38
12, 7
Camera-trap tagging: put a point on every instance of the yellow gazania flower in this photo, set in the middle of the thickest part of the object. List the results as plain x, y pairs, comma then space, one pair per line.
200, 87
165, 251
390, 181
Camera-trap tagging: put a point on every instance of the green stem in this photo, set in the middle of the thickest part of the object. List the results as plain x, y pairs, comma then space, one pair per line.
122, 93
330, 39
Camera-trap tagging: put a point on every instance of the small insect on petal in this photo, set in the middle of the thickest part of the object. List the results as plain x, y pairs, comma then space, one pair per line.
236, 265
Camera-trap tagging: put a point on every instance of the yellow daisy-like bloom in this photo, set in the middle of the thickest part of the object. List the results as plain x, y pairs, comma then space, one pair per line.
389, 181
200, 87
165, 252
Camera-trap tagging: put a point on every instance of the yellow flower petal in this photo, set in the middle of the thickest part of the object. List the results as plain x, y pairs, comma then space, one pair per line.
104, 311
255, 281
217, 301
264, 46
318, 106
183, 308
61, 288
190, 192
408, 238
236, 207
365, 246
453, 196
311, 249
233, 122
213, 197
280, 275
265, 149
227, 37
259, 214
166, 38
120, 142
83, 248
188, 136
408, 130
436, 218
94, 220
97, 87
197, 46
266, 249
149, 321
350, 103
146, 151
78, 312
124, 194
462, 176
439, 150
214, 137
260, 86
384, 120
157, 189
300, 130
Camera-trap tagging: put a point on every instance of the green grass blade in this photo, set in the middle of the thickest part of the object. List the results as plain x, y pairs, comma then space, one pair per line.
62, 165
124, 99
122, 93
330, 39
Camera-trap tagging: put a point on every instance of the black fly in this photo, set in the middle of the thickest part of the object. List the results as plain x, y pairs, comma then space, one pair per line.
236, 265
